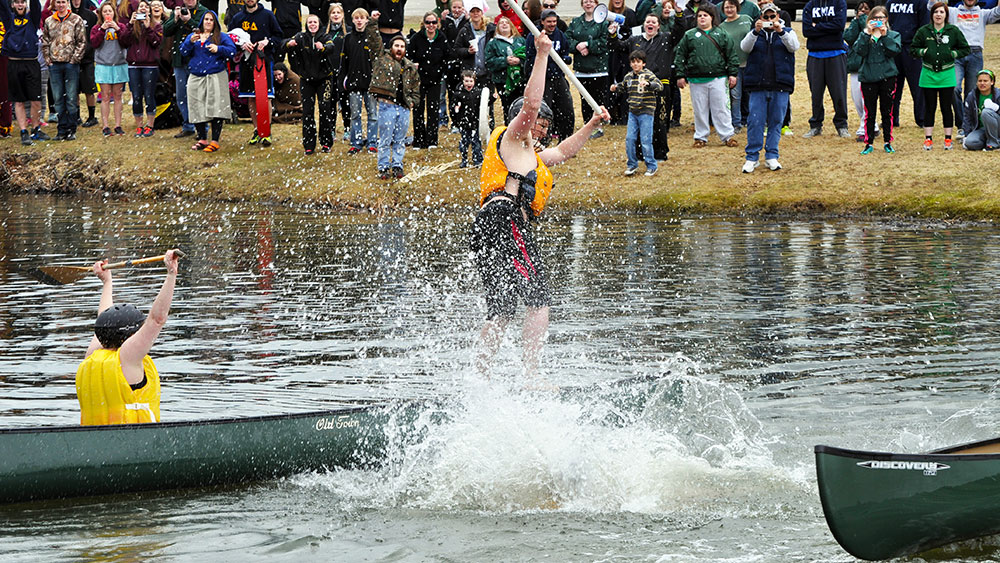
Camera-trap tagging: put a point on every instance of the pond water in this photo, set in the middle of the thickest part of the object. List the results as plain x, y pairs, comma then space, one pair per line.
786, 334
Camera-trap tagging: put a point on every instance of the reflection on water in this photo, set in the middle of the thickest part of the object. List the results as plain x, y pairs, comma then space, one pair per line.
290, 309
781, 334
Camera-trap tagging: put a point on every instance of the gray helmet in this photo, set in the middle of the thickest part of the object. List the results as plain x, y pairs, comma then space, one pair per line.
116, 324
544, 112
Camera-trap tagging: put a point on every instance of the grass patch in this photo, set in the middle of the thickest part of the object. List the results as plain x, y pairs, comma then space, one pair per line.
822, 175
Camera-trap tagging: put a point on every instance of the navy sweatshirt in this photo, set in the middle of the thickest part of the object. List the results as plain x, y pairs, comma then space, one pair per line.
259, 24
823, 24
21, 39
906, 17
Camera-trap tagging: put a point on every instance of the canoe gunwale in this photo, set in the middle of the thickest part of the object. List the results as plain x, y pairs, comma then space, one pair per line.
942, 454
207, 422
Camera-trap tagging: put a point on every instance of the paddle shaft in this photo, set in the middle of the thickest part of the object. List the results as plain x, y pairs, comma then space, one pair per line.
557, 59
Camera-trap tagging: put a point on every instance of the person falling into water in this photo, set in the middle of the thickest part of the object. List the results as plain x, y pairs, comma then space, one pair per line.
118, 383
514, 185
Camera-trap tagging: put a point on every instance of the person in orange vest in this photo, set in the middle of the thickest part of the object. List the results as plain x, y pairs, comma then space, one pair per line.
514, 185
117, 382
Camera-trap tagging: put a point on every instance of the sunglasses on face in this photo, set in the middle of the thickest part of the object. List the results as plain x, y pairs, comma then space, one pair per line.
769, 17
549, 6
430, 22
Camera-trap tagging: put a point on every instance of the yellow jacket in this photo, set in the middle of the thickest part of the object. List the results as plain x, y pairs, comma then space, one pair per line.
106, 398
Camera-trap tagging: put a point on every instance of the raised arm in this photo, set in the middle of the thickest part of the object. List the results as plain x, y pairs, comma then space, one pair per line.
572, 145
521, 124
138, 345
107, 300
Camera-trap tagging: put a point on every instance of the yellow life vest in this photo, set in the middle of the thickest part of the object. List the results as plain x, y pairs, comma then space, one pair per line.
105, 396
494, 174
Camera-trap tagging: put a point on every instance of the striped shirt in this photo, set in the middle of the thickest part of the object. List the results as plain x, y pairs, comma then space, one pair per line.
643, 102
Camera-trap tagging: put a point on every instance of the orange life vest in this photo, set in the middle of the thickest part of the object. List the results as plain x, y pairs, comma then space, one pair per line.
494, 174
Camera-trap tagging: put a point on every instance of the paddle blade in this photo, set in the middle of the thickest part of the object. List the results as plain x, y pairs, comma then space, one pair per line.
59, 275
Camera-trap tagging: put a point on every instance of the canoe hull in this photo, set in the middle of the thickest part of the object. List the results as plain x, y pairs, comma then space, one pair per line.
881, 505
73, 461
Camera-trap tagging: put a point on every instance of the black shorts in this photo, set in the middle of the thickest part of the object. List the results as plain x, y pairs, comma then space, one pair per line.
247, 88
24, 81
508, 259
87, 84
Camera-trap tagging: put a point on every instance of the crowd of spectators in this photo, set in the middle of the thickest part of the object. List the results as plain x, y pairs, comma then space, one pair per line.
736, 58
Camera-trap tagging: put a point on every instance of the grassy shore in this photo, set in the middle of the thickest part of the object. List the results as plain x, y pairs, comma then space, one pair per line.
822, 175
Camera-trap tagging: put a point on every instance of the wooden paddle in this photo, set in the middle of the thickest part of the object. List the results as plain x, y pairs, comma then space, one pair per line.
62, 275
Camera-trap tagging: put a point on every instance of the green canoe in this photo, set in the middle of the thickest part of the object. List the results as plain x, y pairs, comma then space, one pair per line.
73, 461
881, 505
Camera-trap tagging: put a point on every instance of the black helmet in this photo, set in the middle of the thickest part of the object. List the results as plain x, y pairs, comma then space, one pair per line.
544, 112
116, 324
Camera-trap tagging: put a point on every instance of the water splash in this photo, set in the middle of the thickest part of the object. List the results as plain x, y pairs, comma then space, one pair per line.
683, 442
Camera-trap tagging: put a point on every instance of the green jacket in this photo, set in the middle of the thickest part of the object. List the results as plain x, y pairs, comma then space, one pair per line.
878, 58
697, 56
939, 50
385, 79
851, 35
179, 30
496, 57
595, 35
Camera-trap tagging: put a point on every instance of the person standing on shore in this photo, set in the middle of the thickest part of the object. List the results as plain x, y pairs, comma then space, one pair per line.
309, 55
823, 24
142, 41
361, 46
877, 47
110, 66
183, 21
64, 40
905, 17
396, 86
938, 45
264, 31
20, 46
118, 383
207, 50
515, 184
429, 50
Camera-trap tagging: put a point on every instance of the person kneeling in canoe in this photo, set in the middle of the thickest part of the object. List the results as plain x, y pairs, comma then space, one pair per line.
117, 383
514, 185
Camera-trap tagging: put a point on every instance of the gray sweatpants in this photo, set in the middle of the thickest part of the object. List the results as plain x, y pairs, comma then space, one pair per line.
828, 74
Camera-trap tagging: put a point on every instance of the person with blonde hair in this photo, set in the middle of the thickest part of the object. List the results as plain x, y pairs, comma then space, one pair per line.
361, 47
504, 55
337, 29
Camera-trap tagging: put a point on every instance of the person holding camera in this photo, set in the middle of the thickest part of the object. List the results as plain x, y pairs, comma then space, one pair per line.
208, 50
183, 21
110, 68
982, 114
854, 62
769, 79
878, 47
142, 44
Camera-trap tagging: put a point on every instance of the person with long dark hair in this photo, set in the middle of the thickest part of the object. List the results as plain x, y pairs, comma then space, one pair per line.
309, 55
938, 45
982, 114
142, 43
429, 50
208, 83
877, 47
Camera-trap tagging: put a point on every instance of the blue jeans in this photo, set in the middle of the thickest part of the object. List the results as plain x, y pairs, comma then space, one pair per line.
470, 142
142, 83
443, 111
181, 80
767, 109
356, 99
735, 100
640, 128
965, 68
64, 78
393, 121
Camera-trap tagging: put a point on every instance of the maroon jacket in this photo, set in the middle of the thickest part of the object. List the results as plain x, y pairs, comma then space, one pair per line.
144, 51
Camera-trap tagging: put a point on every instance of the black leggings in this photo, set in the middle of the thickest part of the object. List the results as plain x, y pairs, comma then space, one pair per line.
597, 86
931, 96
878, 94
202, 129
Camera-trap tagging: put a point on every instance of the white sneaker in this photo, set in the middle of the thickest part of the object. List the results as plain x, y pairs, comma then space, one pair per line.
773, 163
630, 171
750, 165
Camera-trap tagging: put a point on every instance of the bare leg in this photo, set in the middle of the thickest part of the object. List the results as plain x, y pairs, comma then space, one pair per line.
536, 326
489, 342
22, 116
36, 112
116, 90
105, 104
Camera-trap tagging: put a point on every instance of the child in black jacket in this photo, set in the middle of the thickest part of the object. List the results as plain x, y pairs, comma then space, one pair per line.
465, 108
